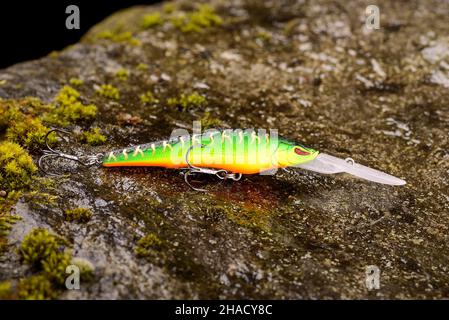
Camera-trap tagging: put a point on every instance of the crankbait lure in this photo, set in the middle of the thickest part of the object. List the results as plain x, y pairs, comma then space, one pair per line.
227, 154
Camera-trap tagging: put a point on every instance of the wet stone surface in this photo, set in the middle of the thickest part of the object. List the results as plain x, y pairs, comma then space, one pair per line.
309, 69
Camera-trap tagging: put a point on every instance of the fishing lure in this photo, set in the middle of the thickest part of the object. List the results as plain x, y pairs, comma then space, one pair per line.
226, 154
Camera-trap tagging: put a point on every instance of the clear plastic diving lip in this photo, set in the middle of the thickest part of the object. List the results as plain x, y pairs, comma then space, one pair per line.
328, 164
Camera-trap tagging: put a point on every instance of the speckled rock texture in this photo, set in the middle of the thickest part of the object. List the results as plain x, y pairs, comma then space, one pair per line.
307, 68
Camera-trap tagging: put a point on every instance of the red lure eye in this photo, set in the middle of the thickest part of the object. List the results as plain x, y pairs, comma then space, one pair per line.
301, 152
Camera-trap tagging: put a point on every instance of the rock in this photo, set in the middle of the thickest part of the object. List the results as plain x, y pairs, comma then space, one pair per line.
307, 69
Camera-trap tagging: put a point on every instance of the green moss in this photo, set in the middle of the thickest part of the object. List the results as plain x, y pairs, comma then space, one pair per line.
5, 290
152, 20
16, 167
93, 137
68, 109
196, 21
108, 91
148, 98
10, 110
122, 74
6, 221
29, 132
3, 81
17, 179
142, 67
209, 122
76, 82
263, 35
46, 253
19, 121
67, 95
37, 287
186, 102
55, 264
147, 244
168, 8
78, 214
119, 37
38, 196
38, 246
86, 268
8, 181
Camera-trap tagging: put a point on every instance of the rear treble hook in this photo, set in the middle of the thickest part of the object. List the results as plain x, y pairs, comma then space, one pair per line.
52, 153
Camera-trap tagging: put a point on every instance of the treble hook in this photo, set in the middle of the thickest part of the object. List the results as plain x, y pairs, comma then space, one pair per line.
52, 153
219, 173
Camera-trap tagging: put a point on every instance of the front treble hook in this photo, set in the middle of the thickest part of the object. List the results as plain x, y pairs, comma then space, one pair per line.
219, 173
52, 153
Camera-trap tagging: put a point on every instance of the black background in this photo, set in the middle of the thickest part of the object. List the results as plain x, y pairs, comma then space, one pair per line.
32, 29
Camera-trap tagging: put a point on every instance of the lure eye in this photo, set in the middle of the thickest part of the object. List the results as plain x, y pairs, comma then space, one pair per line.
301, 152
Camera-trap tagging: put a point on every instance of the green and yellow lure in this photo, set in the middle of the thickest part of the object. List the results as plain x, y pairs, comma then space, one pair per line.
228, 154
235, 151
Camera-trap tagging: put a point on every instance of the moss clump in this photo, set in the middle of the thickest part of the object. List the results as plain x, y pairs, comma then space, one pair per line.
209, 122
67, 95
28, 132
122, 74
38, 246
148, 98
168, 8
119, 37
152, 20
45, 253
16, 175
93, 137
68, 109
5, 290
16, 167
142, 67
186, 102
6, 221
37, 287
146, 244
196, 21
55, 264
76, 82
86, 268
78, 214
19, 120
108, 91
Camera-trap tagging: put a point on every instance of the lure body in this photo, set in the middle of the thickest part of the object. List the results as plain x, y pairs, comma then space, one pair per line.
238, 151
226, 154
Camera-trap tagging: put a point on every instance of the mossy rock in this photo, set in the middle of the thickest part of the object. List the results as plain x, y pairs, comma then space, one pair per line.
306, 68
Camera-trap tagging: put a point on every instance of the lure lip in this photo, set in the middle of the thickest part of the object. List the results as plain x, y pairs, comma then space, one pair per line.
327, 164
